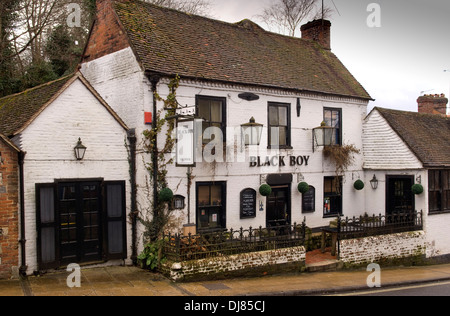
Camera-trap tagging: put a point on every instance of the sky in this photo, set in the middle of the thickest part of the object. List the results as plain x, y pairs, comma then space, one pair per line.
402, 57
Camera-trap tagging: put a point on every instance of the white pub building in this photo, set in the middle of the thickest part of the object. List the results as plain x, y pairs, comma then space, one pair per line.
255, 113
255, 110
234, 79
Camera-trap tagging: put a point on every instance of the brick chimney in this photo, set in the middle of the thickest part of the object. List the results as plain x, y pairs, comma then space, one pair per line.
107, 35
318, 31
433, 104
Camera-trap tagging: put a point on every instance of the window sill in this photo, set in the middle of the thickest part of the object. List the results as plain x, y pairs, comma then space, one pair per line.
438, 213
332, 215
280, 147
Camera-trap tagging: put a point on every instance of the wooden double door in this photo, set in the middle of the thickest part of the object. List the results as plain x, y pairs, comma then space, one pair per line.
80, 222
80, 217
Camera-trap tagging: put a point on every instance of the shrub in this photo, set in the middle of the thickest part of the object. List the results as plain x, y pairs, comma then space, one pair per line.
359, 185
265, 190
303, 187
417, 189
166, 195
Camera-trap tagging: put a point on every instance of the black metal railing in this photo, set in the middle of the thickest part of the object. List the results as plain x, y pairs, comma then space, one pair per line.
179, 248
366, 226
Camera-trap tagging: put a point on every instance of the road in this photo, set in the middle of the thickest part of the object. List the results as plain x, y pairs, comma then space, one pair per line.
426, 289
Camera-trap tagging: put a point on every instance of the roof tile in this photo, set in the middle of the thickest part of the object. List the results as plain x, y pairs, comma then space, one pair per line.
170, 42
427, 135
16, 110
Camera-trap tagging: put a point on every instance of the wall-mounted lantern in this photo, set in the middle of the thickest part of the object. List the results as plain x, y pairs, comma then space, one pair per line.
251, 132
248, 96
80, 150
374, 182
323, 136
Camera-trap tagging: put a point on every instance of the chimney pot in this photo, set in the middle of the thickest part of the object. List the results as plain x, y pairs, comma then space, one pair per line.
433, 104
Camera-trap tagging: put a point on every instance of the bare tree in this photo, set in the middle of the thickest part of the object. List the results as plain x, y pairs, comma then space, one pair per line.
198, 7
287, 15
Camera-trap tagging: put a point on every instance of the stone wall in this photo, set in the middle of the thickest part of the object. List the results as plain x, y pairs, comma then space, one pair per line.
248, 264
394, 247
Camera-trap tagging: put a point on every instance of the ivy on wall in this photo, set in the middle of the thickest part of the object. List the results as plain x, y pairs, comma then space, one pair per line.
160, 212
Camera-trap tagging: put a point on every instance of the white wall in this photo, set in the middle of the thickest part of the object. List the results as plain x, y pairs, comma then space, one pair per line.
49, 145
239, 175
119, 79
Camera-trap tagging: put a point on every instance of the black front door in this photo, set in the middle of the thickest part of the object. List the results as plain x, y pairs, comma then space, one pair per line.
278, 206
80, 218
80, 222
399, 196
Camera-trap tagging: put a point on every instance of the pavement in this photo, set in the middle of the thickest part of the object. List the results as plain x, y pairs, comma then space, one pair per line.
133, 281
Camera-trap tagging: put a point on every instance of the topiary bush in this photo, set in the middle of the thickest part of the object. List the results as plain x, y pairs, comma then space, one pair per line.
417, 189
265, 190
359, 185
303, 187
166, 195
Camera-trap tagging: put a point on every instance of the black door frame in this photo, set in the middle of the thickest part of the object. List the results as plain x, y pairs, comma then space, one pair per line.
389, 194
287, 189
108, 217
79, 183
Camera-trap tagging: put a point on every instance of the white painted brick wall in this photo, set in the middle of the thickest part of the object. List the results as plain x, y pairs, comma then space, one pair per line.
438, 235
49, 143
372, 249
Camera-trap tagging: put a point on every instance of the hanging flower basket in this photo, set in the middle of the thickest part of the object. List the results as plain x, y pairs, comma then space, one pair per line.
166, 195
265, 190
417, 189
359, 185
303, 187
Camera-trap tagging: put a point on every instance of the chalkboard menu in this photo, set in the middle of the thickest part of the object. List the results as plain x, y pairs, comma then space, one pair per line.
309, 201
248, 203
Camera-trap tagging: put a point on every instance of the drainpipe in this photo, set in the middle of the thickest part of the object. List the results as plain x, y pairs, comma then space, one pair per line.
22, 241
131, 135
154, 79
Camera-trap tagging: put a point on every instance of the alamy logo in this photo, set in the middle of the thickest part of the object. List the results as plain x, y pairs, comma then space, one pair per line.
374, 18
74, 279
74, 17
374, 279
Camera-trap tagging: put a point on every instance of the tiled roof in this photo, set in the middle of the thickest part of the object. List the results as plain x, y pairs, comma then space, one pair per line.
18, 109
169, 42
427, 135
9, 143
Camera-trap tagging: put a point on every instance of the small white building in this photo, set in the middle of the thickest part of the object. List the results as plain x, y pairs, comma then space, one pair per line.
402, 149
74, 208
